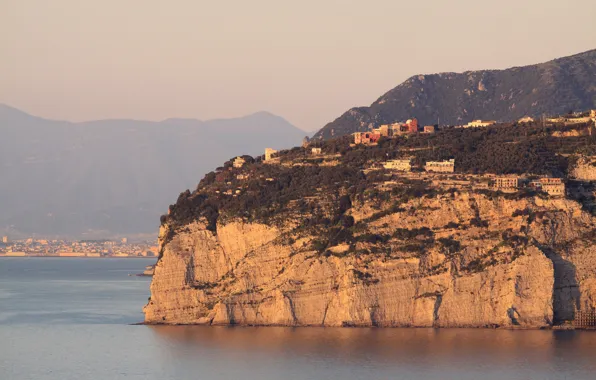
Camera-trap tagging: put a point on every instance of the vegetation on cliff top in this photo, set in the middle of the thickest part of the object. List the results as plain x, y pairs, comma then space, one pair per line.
265, 191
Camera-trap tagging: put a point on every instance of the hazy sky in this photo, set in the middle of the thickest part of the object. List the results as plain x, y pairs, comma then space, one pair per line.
306, 60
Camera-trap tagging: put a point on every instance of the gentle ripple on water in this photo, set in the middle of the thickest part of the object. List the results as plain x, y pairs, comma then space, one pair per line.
70, 319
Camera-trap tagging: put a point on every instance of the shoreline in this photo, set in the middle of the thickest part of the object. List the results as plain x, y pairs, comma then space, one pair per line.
510, 328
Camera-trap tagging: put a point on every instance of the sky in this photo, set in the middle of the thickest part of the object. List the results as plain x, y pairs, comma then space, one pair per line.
305, 60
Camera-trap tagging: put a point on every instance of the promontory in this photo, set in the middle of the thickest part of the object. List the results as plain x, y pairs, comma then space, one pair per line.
487, 226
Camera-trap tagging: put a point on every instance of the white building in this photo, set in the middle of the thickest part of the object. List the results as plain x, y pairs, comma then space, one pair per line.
480, 123
447, 166
403, 165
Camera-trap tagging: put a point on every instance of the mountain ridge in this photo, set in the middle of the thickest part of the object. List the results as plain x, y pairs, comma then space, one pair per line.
4, 107
555, 86
104, 178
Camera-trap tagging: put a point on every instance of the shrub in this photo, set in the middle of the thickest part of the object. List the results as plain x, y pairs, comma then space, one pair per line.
452, 225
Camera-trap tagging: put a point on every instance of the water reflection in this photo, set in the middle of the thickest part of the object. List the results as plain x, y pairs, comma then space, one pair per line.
443, 346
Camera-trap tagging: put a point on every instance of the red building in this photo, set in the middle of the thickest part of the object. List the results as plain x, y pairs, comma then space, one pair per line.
366, 137
412, 125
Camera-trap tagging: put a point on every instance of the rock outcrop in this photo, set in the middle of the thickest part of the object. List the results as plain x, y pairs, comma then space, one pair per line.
453, 260
585, 169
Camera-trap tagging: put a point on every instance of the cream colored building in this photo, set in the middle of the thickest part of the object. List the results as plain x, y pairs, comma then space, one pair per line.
480, 123
384, 130
316, 151
447, 166
551, 186
506, 182
4, 239
16, 254
403, 165
554, 189
269, 152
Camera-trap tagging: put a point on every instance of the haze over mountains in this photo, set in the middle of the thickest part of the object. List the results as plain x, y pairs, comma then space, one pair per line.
114, 177
553, 87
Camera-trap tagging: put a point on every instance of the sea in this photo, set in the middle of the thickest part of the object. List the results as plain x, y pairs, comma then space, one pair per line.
76, 318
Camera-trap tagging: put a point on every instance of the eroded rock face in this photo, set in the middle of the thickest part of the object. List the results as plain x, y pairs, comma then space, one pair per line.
254, 274
585, 169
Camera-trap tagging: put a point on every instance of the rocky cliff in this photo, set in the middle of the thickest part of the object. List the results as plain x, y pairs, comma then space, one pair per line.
444, 259
585, 169
331, 237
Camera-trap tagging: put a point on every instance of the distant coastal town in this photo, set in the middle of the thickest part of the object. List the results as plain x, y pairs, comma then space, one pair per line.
82, 248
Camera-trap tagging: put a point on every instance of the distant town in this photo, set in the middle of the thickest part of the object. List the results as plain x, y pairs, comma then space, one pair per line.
82, 248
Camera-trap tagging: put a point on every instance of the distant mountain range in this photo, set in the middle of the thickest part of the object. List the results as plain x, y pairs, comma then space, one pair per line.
114, 177
553, 87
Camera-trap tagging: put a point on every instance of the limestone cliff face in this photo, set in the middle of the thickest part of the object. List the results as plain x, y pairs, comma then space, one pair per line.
585, 169
255, 274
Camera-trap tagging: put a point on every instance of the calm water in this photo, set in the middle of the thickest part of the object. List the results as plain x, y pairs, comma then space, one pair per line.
70, 319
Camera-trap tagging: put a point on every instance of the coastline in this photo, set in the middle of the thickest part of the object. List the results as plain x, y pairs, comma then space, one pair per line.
510, 328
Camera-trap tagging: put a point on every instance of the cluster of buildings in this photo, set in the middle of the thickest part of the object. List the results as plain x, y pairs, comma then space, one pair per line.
575, 118
269, 152
551, 186
389, 130
405, 165
411, 126
84, 248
